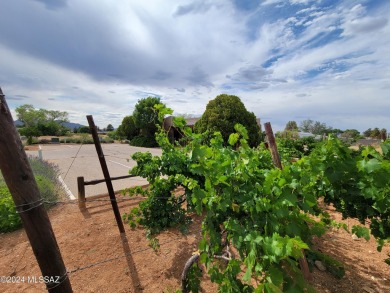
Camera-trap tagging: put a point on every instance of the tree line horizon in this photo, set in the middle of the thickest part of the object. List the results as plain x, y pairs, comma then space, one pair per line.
139, 128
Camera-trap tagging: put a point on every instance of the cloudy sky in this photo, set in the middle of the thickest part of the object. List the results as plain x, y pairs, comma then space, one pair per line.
323, 60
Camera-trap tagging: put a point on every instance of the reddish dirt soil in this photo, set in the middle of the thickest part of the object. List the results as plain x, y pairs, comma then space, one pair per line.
95, 255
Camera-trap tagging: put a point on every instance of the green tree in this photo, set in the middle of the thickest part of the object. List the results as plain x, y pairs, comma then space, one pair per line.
223, 113
290, 131
145, 116
291, 126
337, 131
127, 129
40, 122
51, 128
29, 116
367, 133
52, 124
315, 127
306, 125
84, 129
146, 119
320, 128
375, 133
383, 133
351, 134
58, 116
110, 127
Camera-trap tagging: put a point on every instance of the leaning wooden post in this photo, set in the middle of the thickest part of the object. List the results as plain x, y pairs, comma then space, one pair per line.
21, 183
272, 145
276, 159
106, 174
81, 192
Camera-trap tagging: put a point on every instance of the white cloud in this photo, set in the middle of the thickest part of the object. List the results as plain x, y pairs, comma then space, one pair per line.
305, 2
364, 25
270, 2
52, 87
94, 57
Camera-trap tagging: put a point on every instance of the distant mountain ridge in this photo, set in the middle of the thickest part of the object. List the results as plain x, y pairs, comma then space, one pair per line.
18, 123
69, 125
72, 125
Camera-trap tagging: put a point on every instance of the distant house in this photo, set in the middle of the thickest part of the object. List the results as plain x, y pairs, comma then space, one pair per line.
368, 141
308, 134
174, 133
305, 134
191, 121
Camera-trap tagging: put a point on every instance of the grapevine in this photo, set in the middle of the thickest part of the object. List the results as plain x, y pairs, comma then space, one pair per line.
356, 182
265, 213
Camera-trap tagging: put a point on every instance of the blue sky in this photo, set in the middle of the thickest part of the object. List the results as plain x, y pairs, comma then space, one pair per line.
287, 60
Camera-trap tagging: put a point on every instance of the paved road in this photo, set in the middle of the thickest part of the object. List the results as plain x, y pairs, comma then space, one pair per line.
82, 160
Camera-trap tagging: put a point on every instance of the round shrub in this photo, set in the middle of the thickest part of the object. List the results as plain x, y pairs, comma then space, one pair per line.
223, 113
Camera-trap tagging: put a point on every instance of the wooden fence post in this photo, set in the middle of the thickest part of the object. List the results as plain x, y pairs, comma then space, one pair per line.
81, 192
276, 159
106, 174
21, 183
272, 145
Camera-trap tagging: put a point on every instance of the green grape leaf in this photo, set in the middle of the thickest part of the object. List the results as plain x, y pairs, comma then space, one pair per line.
276, 275
233, 138
179, 121
370, 165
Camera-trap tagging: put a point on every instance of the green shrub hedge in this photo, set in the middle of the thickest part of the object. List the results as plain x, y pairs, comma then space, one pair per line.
144, 141
85, 140
9, 219
46, 175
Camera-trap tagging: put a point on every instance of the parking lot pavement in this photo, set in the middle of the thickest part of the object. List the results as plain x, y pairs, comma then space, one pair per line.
81, 160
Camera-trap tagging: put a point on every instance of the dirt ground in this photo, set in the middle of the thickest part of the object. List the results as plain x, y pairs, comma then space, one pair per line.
95, 255
33, 147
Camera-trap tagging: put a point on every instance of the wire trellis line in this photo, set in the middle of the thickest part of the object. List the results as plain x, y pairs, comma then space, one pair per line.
74, 158
126, 254
75, 202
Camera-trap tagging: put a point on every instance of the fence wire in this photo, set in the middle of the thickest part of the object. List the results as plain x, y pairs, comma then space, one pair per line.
74, 158
29, 206
97, 200
122, 256
126, 254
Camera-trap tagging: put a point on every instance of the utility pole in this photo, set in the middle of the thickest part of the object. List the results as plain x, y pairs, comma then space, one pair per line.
21, 183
